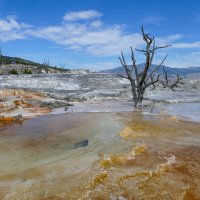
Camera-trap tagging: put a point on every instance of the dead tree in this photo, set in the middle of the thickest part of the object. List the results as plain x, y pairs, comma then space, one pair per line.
46, 65
142, 79
62, 67
177, 81
1, 57
166, 82
152, 78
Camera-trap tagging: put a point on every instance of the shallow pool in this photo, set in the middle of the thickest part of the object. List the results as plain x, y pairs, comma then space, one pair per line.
127, 156
190, 111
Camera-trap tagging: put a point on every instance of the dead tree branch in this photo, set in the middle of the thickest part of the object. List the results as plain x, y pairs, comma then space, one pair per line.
141, 79
166, 79
46, 65
166, 82
178, 78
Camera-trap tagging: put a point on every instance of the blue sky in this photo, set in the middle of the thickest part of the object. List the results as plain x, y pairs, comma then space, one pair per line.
91, 33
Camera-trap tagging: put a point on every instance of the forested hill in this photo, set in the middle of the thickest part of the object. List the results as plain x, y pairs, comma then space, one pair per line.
15, 65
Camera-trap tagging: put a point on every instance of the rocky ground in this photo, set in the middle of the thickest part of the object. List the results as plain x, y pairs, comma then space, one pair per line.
72, 87
25, 94
17, 104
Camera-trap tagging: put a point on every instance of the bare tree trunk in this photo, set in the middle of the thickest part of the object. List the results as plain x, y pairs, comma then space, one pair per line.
133, 89
140, 81
152, 78
141, 95
1, 56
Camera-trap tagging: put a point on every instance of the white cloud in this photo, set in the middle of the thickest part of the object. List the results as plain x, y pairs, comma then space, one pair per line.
96, 24
93, 37
10, 29
184, 60
82, 15
184, 45
9, 24
172, 40
168, 40
90, 37
153, 20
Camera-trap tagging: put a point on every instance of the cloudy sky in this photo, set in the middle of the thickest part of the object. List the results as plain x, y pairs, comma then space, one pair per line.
91, 33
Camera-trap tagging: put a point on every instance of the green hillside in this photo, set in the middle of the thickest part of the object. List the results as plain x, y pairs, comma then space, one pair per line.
7, 60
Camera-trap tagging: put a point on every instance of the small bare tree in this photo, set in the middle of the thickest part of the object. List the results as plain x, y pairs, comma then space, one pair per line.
176, 82
46, 65
62, 67
141, 79
1, 57
166, 82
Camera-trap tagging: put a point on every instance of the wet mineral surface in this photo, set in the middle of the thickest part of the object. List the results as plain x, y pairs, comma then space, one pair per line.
128, 155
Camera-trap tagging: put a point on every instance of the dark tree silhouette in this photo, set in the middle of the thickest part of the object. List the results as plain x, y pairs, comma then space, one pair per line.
166, 82
142, 79
46, 65
1, 57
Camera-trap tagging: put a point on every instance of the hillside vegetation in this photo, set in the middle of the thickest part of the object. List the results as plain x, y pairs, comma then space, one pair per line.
15, 65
